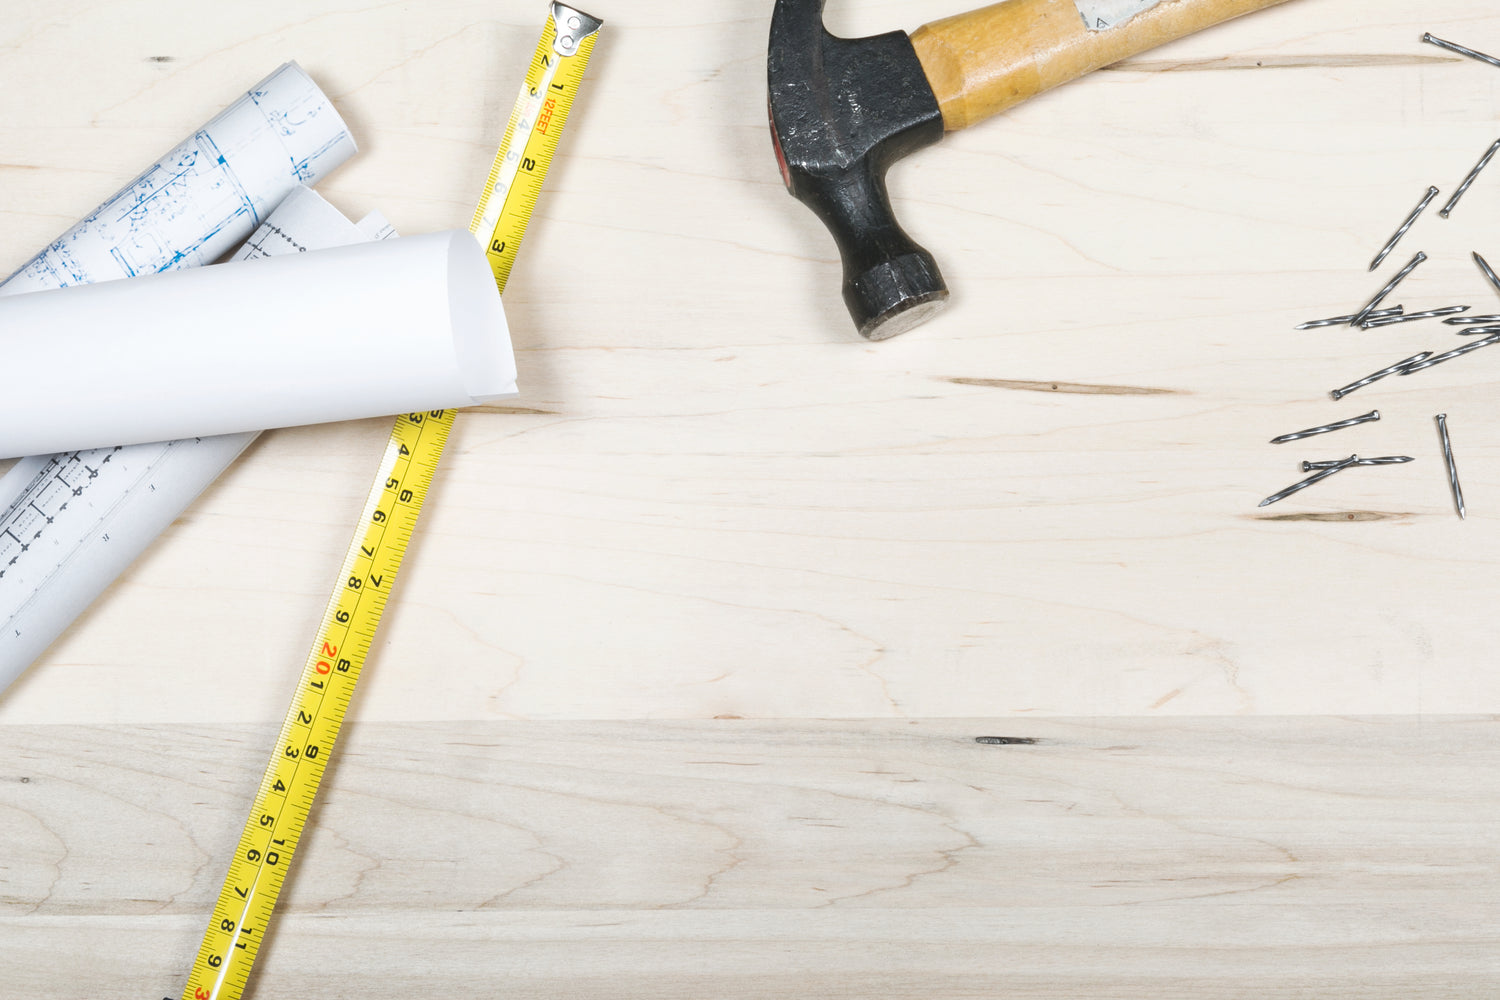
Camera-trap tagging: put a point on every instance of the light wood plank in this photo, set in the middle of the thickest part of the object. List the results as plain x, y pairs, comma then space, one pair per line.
1130, 858
711, 500
717, 501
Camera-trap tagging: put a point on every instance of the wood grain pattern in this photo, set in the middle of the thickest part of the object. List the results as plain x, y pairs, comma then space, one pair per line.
1133, 858
713, 500
725, 504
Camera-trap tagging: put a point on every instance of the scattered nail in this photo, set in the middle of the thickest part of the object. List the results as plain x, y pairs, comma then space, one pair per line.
1344, 320
1483, 161
1438, 359
1458, 494
1431, 39
1298, 435
1384, 460
1489, 272
1411, 220
1460, 320
1377, 376
1314, 478
1364, 313
1375, 321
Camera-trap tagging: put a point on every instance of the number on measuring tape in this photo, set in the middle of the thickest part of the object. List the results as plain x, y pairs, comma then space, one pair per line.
310, 729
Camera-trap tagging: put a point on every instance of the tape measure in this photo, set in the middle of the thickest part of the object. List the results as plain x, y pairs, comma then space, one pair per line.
279, 813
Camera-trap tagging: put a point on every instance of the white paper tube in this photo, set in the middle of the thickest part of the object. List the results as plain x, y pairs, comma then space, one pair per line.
207, 195
188, 208
71, 523
401, 325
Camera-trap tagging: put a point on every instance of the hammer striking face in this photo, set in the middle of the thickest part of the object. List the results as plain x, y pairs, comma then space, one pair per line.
843, 110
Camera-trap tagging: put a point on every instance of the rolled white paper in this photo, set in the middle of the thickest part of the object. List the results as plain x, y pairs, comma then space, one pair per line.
186, 209
74, 522
71, 523
375, 329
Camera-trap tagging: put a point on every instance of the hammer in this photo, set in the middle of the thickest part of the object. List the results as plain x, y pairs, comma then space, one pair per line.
844, 109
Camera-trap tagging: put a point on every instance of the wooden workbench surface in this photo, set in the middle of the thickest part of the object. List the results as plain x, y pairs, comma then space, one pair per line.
681, 690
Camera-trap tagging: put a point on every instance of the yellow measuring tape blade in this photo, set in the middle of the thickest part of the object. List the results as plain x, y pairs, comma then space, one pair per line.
290, 784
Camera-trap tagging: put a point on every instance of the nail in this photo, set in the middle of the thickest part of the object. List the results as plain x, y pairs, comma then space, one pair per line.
1297, 436
1438, 359
1461, 320
1343, 320
1458, 494
1489, 272
1411, 220
1455, 47
1483, 161
1377, 376
1375, 321
1315, 477
1364, 313
1385, 460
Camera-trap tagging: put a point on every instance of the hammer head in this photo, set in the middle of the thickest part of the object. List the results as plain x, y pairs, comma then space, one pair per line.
842, 111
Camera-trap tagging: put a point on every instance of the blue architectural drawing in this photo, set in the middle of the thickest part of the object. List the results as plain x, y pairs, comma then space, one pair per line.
207, 195
72, 522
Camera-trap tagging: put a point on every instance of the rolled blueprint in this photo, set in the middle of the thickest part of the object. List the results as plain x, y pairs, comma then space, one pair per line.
188, 208
360, 331
71, 523
202, 199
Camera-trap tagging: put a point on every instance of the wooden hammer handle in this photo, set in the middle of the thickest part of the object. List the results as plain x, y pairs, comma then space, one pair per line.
984, 61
